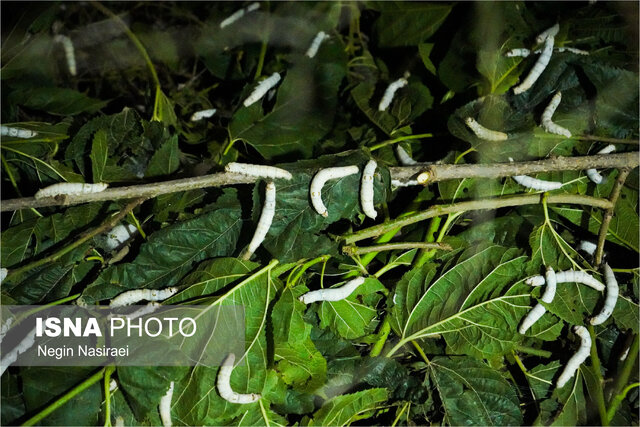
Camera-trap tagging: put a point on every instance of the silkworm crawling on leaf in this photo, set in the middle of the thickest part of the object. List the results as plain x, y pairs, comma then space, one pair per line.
136, 295
366, 189
569, 276
264, 223
203, 114
17, 132
70, 188
260, 171
538, 67
572, 50
390, 92
69, 52
119, 235
536, 313
549, 32
5, 328
484, 133
320, 178
548, 124
578, 358
610, 299
239, 14
224, 384
262, 88
523, 52
593, 174
164, 407
587, 247
332, 294
315, 44
9, 357
404, 157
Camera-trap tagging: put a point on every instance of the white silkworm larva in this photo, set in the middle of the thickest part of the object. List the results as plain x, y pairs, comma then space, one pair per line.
11, 356
264, 223
569, 276
572, 50
17, 132
239, 14
404, 157
164, 407
532, 317
484, 133
69, 52
536, 313
3, 274
132, 297
332, 294
203, 114
366, 189
5, 328
224, 384
261, 171
524, 52
119, 235
262, 88
538, 68
549, 32
578, 358
610, 299
535, 183
587, 247
70, 188
593, 174
318, 181
315, 44
146, 309
409, 183
548, 124
390, 92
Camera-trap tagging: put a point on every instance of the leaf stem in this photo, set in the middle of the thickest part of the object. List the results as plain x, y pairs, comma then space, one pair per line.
623, 378
599, 393
533, 351
306, 265
399, 139
421, 352
383, 334
617, 400
429, 237
263, 53
359, 250
608, 214
107, 395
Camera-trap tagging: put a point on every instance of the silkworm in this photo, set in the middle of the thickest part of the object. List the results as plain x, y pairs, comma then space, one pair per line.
536, 313
390, 92
260, 171
548, 124
593, 174
523, 52
578, 358
572, 50
538, 68
10, 357
113, 384
549, 32
315, 44
610, 299
332, 294
366, 189
146, 309
264, 223
484, 133
224, 384
3, 274
69, 52
17, 132
239, 14
587, 247
5, 327
569, 276
119, 235
409, 183
535, 183
262, 88
70, 188
164, 407
404, 157
203, 114
132, 297
318, 181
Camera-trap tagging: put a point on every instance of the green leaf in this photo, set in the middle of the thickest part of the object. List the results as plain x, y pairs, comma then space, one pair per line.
165, 160
57, 101
145, 385
424, 49
408, 23
342, 410
163, 109
99, 155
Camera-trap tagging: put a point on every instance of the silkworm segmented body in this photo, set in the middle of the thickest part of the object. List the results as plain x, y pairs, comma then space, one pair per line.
119, 235
332, 294
390, 92
549, 32
315, 44
262, 88
5, 328
538, 68
239, 14
523, 52
484, 133
548, 124
578, 358
610, 299
203, 114
264, 223
366, 189
224, 384
261, 171
409, 183
587, 247
593, 174
536, 313
17, 132
11, 356
136, 295
70, 188
318, 181
146, 309
69, 52
535, 183
569, 276
404, 157
165, 407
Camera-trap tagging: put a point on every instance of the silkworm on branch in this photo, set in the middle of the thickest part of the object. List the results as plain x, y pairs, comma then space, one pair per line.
264, 223
318, 181
404, 157
538, 68
578, 358
536, 313
136, 295
10, 357
315, 44
17, 132
610, 299
523, 52
165, 407
332, 294
261, 171
203, 114
587, 247
409, 183
535, 183
69, 52
366, 189
390, 92
593, 174
569, 276
70, 188
484, 133
548, 124
262, 88
119, 235
224, 384
239, 14
549, 32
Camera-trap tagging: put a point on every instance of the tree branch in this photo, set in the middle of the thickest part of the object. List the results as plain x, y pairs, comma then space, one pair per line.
438, 173
358, 250
608, 214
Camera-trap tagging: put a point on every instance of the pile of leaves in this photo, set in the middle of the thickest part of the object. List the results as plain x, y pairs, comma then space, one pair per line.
431, 337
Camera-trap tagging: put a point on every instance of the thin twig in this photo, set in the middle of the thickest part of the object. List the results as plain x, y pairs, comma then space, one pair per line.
358, 250
608, 214
598, 393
